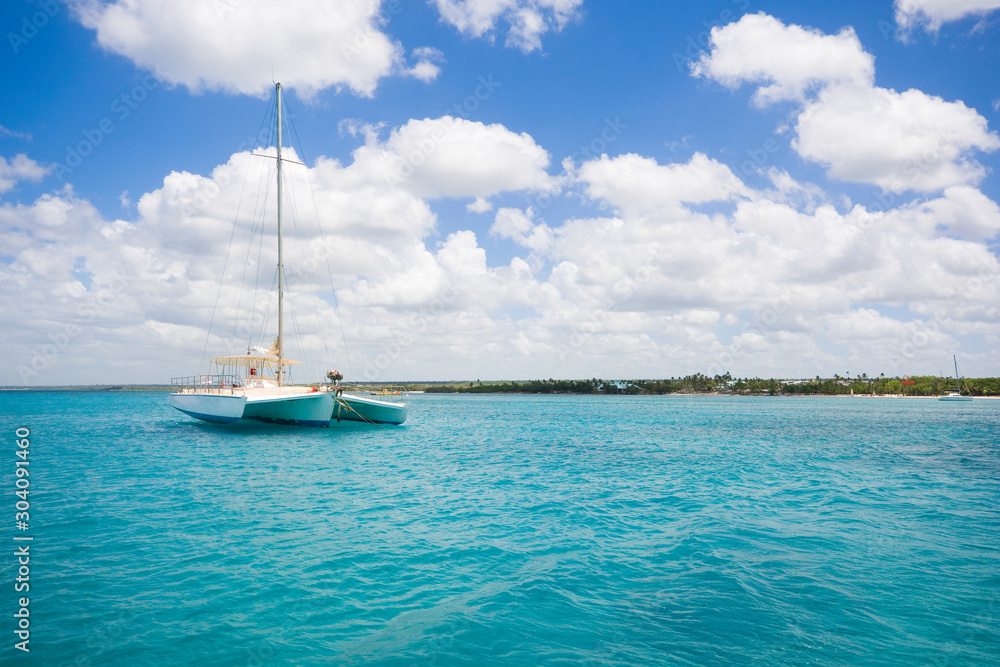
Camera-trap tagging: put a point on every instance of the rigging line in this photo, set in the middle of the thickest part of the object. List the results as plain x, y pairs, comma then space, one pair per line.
256, 231
273, 108
263, 335
239, 207
238, 297
302, 244
236, 219
295, 324
290, 294
301, 249
218, 294
225, 263
284, 159
268, 113
297, 274
344, 403
251, 294
265, 179
260, 255
326, 254
314, 300
290, 182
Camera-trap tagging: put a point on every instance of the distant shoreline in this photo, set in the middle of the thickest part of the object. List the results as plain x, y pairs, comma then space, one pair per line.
498, 388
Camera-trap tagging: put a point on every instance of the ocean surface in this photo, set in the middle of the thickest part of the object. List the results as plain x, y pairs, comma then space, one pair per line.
509, 530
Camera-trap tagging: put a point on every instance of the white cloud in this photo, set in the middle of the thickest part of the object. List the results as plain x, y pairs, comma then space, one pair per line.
933, 14
240, 45
790, 61
53, 219
528, 19
454, 157
357, 128
865, 324
860, 132
634, 183
898, 141
960, 212
235, 45
806, 196
479, 205
373, 231
426, 69
519, 226
461, 255
20, 168
777, 282
6, 132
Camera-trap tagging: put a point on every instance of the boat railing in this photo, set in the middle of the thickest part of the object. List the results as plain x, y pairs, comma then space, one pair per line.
207, 384
391, 394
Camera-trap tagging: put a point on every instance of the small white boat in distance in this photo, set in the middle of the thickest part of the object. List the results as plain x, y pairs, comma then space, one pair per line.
252, 385
955, 394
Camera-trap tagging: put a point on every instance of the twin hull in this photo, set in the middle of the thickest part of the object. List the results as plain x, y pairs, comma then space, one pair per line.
282, 406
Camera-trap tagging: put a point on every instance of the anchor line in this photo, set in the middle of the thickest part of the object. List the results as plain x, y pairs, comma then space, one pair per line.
343, 403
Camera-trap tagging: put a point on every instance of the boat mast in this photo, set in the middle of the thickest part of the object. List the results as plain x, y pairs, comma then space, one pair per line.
281, 266
958, 383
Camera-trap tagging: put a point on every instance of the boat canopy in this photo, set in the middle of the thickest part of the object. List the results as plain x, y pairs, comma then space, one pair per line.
252, 361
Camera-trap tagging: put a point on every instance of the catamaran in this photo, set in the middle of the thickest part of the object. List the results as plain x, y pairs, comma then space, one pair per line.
955, 394
252, 385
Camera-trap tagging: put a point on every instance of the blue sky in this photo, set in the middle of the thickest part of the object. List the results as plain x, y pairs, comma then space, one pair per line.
506, 188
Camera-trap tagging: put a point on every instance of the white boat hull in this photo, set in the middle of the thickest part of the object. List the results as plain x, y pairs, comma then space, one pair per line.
216, 408
350, 407
289, 405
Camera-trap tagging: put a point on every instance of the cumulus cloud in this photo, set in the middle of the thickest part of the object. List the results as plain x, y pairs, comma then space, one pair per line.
454, 157
636, 184
374, 232
519, 226
898, 141
865, 324
20, 168
907, 141
309, 45
658, 282
235, 45
789, 61
962, 211
426, 68
107, 284
528, 20
932, 14
479, 205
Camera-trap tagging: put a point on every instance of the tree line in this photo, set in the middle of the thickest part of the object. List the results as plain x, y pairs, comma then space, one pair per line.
924, 385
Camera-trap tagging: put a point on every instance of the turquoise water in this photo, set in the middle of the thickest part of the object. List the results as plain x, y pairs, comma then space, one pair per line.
512, 530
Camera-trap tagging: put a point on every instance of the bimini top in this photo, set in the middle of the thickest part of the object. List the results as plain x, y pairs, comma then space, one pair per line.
252, 361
